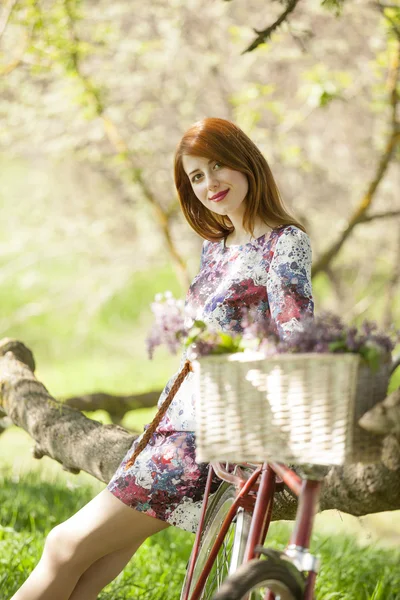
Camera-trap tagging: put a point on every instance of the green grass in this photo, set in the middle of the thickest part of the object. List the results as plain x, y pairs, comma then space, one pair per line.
36, 495
349, 571
31, 506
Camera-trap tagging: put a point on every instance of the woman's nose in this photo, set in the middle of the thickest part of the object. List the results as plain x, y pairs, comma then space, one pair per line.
212, 181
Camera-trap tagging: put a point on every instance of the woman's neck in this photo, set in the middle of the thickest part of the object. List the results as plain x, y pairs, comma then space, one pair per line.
240, 237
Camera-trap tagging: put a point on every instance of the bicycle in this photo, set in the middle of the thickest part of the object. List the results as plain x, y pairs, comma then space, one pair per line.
228, 560
232, 531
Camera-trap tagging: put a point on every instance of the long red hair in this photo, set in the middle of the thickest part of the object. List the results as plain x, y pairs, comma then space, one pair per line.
222, 140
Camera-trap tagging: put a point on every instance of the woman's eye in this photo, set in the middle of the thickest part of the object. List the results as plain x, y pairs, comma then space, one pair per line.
199, 174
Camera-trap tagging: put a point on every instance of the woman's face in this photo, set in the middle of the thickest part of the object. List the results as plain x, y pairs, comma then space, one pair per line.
209, 178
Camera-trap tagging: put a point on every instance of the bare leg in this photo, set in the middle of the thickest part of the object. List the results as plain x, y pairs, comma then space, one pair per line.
101, 573
102, 526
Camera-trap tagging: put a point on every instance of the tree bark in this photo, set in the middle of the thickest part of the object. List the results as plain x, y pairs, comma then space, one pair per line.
115, 405
60, 432
78, 443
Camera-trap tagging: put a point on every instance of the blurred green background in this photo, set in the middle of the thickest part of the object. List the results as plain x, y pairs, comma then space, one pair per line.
95, 97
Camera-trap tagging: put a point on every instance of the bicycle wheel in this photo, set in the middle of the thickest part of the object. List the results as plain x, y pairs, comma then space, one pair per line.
257, 576
232, 550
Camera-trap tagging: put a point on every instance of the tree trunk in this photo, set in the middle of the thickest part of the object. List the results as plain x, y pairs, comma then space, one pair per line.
78, 443
59, 431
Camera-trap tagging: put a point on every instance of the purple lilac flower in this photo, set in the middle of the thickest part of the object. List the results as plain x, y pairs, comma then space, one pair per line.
327, 333
169, 324
323, 333
256, 326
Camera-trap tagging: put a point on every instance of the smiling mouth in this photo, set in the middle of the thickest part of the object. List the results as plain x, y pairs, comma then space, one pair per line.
219, 196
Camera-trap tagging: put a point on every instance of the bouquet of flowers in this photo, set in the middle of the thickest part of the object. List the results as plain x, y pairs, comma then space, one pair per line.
175, 327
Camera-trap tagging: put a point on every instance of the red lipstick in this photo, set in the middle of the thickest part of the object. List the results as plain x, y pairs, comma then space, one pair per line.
218, 197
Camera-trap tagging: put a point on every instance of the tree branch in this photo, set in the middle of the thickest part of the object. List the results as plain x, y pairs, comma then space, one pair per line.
381, 6
4, 21
385, 215
121, 148
115, 405
60, 432
385, 5
265, 34
5, 16
392, 287
384, 417
359, 214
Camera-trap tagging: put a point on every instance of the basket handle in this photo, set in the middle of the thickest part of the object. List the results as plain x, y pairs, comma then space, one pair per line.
160, 413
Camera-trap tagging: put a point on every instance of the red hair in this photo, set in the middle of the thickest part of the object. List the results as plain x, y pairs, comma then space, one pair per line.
222, 140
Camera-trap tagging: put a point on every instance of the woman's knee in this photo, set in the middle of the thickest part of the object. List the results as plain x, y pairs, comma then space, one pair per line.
102, 526
61, 546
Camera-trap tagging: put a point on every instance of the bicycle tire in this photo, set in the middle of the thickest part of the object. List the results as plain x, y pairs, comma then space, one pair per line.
232, 550
278, 575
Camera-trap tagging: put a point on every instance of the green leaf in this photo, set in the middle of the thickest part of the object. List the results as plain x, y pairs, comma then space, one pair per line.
338, 345
372, 355
226, 339
193, 336
200, 324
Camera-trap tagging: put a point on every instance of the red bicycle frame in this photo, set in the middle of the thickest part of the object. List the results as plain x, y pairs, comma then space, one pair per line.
255, 493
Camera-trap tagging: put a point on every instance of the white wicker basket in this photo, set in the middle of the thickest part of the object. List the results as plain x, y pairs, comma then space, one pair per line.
291, 408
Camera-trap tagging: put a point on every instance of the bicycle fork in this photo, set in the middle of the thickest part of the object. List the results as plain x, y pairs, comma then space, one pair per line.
298, 548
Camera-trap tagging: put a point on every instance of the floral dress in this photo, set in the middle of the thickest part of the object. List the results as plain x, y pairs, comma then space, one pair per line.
271, 274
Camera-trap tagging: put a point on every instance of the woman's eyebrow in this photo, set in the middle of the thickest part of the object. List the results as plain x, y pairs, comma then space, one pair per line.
210, 161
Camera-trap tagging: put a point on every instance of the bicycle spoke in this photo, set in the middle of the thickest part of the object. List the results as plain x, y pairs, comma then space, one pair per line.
232, 549
221, 566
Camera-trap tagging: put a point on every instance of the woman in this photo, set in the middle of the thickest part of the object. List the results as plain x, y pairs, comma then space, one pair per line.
255, 254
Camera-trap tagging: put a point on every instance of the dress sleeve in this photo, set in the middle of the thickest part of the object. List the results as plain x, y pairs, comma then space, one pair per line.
289, 281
